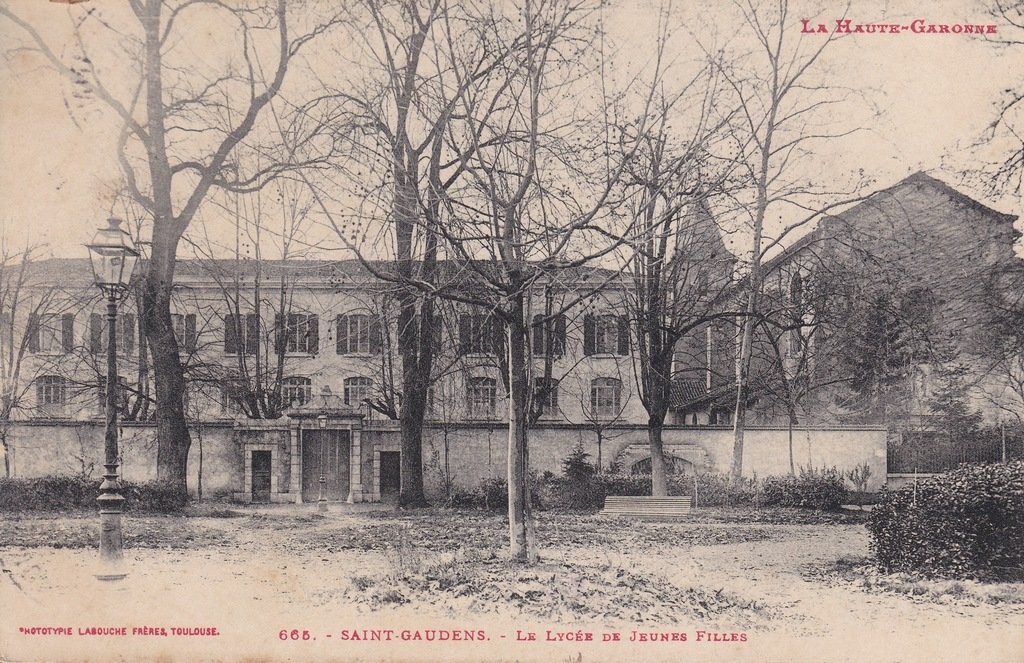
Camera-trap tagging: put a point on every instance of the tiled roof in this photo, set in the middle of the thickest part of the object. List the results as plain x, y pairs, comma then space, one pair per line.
827, 224
329, 271
687, 394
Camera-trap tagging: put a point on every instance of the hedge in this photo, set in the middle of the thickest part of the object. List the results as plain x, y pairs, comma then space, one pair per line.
815, 489
966, 523
823, 490
62, 493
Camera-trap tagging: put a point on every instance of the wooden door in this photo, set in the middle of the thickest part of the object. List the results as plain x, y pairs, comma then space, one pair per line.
328, 449
390, 475
261, 476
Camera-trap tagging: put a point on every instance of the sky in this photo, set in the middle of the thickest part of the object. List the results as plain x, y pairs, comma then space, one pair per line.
935, 95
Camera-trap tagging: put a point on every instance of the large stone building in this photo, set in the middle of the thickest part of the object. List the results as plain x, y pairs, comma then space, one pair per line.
885, 314
292, 367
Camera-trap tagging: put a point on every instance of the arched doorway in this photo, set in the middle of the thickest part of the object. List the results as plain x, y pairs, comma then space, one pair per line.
673, 465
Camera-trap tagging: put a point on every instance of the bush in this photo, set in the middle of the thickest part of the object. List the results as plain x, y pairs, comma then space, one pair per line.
62, 493
823, 490
715, 489
491, 494
49, 493
154, 497
966, 523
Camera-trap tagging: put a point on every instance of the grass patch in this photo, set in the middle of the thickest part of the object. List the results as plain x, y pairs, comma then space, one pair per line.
860, 572
82, 531
468, 583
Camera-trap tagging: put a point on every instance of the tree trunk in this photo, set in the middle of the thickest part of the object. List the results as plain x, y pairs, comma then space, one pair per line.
740, 413
6, 451
414, 392
173, 439
659, 480
792, 421
522, 537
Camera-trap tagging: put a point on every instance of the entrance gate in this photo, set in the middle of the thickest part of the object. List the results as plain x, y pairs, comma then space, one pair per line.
331, 449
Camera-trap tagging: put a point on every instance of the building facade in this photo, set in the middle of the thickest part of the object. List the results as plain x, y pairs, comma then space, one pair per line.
293, 372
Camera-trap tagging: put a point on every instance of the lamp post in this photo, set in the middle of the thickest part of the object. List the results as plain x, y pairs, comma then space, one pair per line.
321, 503
113, 255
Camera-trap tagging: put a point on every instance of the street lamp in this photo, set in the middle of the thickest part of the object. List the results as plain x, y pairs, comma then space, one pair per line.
321, 503
113, 255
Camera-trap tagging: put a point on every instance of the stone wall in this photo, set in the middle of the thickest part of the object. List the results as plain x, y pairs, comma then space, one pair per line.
479, 453
474, 452
39, 448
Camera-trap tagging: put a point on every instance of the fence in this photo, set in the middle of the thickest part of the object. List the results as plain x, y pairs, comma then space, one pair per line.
936, 451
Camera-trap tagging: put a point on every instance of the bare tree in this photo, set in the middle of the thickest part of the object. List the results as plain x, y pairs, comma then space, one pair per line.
534, 206
783, 111
1001, 145
24, 299
679, 275
425, 57
181, 125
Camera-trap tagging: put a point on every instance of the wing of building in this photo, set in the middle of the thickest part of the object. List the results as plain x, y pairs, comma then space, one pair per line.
292, 366
893, 313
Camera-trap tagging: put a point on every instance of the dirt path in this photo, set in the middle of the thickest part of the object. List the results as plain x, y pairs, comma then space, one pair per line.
258, 577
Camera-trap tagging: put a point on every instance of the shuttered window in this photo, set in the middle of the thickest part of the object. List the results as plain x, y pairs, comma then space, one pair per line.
241, 334
357, 333
297, 333
548, 335
606, 335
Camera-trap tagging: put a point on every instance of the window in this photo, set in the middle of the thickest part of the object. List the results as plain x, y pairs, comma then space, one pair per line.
185, 331
241, 333
796, 291
126, 333
796, 342
548, 336
295, 391
51, 390
51, 334
605, 397
605, 335
358, 334
481, 398
298, 333
479, 334
357, 390
545, 394
720, 416
232, 395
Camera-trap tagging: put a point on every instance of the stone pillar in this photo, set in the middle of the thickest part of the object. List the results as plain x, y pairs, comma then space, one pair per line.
355, 463
247, 474
296, 467
376, 475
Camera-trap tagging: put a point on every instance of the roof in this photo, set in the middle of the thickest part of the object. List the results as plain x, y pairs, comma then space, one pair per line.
919, 178
689, 394
330, 272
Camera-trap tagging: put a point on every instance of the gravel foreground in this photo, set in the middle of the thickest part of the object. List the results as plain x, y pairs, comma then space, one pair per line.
291, 585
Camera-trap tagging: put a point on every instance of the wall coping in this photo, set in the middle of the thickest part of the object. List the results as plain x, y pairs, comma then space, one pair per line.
212, 423
387, 425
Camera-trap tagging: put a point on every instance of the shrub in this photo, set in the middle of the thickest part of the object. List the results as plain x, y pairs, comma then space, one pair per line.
715, 489
966, 523
494, 493
490, 494
49, 493
823, 490
577, 467
64, 492
154, 497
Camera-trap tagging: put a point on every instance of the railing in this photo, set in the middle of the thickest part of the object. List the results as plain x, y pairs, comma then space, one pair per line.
930, 451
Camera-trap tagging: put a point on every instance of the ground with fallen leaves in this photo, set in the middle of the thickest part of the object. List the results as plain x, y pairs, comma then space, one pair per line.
796, 585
